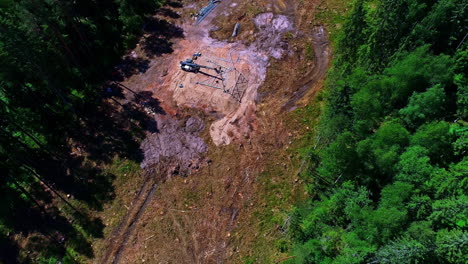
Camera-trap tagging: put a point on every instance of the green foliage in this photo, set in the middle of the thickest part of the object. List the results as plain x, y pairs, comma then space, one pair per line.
420, 206
376, 96
391, 183
249, 260
355, 249
460, 79
414, 166
460, 145
436, 138
428, 105
381, 151
282, 245
402, 251
442, 27
417, 71
421, 231
338, 158
391, 214
450, 213
353, 36
454, 181
309, 52
452, 246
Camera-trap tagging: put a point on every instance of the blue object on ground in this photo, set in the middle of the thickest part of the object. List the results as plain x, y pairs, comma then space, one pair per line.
206, 10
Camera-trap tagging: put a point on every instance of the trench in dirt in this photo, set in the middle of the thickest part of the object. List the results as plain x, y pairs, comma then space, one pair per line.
176, 146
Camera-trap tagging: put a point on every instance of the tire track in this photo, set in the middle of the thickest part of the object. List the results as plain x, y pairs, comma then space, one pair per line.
123, 231
320, 44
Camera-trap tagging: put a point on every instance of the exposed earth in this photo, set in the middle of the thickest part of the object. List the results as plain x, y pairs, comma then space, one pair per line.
211, 143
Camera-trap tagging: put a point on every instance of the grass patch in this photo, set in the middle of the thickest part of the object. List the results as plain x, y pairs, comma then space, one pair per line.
253, 10
332, 15
289, 35
123, 168
309, 52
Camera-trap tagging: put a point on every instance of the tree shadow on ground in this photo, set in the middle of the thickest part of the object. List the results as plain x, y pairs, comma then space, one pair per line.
9, 249
167, 13
142, 107
146, 99
162, 28
55, 235
160, 33
129, 66
44, 226
157, 46
146, 121
82, 181
113, 90
174, 4
60, 230
106, 132
73, 176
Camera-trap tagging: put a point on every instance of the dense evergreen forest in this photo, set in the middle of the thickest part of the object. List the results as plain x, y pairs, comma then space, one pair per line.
390, 185
55, 57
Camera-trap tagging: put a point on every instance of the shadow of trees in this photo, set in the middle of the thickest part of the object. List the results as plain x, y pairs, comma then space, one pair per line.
130, 66
174, 4
44, 225
70, 175
160, 33
160, 27
167, 13
9, 249
142, 108
105, 131
146, 99
63, 185
157, 46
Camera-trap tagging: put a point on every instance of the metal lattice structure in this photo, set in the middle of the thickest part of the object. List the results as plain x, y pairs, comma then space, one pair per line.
240, 86
228, 78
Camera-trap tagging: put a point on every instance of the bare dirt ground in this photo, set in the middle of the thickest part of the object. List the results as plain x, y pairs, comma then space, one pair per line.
227, 146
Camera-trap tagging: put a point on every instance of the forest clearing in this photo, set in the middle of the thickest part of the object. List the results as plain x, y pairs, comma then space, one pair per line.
212, 135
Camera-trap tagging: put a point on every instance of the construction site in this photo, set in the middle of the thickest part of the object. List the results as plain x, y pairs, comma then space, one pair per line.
223, 80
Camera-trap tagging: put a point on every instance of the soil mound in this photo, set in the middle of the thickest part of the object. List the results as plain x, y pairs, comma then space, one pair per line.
176, 141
